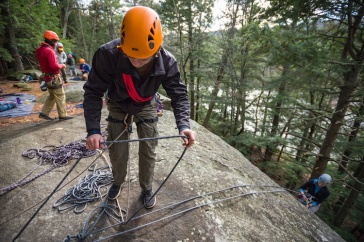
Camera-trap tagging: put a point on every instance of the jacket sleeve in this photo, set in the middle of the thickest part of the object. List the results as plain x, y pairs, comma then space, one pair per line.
306, 185
177, 91
95, 87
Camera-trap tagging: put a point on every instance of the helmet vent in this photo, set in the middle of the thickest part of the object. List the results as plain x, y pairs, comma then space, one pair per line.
151, 40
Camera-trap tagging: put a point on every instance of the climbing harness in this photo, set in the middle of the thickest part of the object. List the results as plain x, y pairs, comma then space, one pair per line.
302, 199
128, 120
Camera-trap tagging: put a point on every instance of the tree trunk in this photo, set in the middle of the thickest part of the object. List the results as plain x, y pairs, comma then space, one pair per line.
191, 50
351, 199
351, 80
196, 118
242, 92
12, 44
277, 112
67, 8
352, 137
3, 70
82, 35
95, 18
220, 74
221, 69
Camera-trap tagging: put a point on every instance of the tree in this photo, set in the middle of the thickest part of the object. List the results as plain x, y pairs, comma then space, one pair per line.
351, 199
352, 60
25, 23
230, 33
10, 33
190, 21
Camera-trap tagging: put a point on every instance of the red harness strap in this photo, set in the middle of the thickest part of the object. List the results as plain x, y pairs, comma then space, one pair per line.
132, 91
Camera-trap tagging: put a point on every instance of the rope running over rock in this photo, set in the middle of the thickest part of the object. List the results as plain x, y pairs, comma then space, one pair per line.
89, 229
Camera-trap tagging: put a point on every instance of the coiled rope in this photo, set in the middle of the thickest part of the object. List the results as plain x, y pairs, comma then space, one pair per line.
89, 189
56, 155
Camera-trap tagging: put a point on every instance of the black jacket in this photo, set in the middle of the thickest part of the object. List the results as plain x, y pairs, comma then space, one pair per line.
318, 197
108, 66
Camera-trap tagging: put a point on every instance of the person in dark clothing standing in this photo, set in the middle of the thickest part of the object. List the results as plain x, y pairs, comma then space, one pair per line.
130, 70
72, 63
314, 192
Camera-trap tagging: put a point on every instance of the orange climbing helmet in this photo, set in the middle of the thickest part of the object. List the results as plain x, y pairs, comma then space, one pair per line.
141, 33
50, 35
82, 61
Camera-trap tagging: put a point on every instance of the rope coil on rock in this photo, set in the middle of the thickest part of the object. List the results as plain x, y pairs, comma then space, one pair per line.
56, 155
86, 191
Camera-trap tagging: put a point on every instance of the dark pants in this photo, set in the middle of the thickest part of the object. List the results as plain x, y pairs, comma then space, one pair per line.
119, 152
64, 76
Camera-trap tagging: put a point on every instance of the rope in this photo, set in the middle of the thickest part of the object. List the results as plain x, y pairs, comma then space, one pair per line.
30, 61
26, 210
187, 200
84, 233
59, 184
185, 211
145, 139
86, 191
57, 155
63, 160
160, 187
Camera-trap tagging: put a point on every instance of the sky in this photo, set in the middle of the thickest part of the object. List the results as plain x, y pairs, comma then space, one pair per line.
217, 13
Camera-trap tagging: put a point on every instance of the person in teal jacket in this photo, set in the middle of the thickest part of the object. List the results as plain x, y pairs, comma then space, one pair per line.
314, 192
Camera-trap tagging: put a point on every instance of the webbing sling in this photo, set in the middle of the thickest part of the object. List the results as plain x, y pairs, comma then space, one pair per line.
146, 120
128, 80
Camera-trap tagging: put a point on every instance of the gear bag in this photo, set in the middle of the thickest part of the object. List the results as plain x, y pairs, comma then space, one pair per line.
53, 81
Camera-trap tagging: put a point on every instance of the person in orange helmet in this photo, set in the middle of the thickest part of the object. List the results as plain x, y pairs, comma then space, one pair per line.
85, 69
130, 70
50, 68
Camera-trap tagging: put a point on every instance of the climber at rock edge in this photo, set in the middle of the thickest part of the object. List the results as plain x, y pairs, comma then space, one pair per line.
131, 69
314, 192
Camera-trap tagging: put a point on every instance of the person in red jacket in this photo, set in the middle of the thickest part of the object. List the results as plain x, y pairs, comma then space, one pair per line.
50, 68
